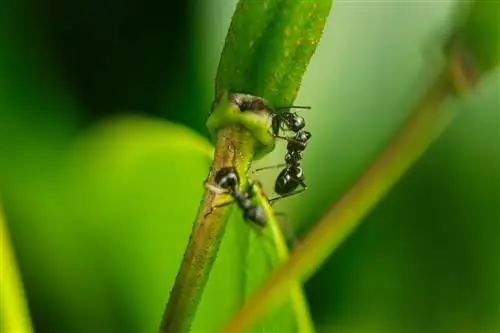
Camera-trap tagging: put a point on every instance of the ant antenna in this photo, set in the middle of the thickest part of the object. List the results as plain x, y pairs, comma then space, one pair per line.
293, 107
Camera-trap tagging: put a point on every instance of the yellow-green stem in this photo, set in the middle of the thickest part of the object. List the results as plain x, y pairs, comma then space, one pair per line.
297, 296
235, 147
14, 314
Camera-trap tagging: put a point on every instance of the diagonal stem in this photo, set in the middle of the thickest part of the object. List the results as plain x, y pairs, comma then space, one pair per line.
295, 290
235, 147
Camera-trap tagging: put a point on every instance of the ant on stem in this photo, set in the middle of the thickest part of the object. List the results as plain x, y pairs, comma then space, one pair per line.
292, 176
228, 181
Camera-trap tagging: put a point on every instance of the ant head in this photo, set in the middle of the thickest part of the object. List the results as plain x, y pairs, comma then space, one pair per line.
292, 121
297, 123
227, 177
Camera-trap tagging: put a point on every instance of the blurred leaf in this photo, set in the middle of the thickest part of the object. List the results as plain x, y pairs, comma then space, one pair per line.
268, 47
14, 316
481, 33
107, 230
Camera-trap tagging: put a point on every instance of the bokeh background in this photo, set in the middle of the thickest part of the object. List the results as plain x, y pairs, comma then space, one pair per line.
103, 151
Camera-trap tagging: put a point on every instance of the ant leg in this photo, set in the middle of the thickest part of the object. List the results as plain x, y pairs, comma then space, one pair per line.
304, 186
272, 201
251, 188
217, 190
282, 137
270, 167
288, 139
214, 188
227, 203
293, 107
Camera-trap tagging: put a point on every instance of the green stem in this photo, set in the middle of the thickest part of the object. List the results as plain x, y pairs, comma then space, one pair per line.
14, 314
298, 298
235, 147
422, 128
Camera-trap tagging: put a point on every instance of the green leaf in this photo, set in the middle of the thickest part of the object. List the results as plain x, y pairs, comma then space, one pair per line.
268, 47
14, 314
482, 31
111, 226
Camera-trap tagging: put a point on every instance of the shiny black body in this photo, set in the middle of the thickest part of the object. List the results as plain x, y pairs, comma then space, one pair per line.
298, 144
288, 180
287, 121
228, 179
292, 175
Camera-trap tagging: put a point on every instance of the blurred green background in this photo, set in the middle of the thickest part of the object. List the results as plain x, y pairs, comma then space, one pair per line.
103, 152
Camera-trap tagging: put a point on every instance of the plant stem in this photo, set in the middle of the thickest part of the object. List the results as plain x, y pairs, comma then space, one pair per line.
296, 292
14, 314
426, 123
235, 147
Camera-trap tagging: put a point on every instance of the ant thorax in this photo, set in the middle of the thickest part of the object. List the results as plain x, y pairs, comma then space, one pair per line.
288, 180
293, 157
302, 136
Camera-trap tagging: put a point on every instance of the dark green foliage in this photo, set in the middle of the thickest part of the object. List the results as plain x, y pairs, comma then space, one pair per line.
480, 34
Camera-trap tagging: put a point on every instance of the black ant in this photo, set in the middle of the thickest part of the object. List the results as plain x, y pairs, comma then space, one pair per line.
228, 180
292, 176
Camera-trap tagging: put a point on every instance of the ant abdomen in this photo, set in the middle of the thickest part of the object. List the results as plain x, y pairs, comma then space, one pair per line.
256, 215
288, 180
